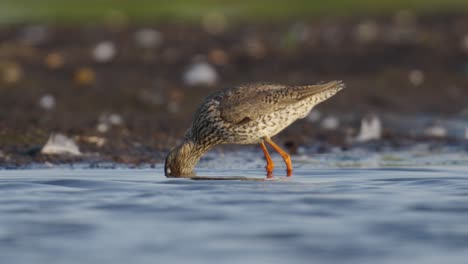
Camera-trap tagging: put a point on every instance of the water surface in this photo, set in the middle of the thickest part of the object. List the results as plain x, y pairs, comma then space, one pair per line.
404, 214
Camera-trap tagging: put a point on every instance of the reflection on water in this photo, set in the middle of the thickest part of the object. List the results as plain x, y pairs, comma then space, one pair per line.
322, 215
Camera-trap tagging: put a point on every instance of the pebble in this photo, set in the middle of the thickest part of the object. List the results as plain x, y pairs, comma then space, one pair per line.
115, 119
218, 57
54, 60
10, 72
102, 127
148, 38
106, 121
47, 102
314, 116
330, 123
200, 73
104, 51
60, 144
371, 129
416, 77
85, 76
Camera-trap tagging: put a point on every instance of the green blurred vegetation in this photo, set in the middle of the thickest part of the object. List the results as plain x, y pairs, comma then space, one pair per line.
83, 11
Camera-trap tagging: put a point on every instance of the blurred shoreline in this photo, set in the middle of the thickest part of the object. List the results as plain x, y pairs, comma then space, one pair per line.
127, 93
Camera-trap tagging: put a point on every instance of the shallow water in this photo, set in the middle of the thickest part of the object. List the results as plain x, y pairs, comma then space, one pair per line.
324, 214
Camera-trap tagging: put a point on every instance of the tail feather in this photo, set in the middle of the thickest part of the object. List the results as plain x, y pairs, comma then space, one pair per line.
317, 89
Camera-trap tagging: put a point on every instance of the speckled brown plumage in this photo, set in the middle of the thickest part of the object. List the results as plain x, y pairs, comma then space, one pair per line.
249, 114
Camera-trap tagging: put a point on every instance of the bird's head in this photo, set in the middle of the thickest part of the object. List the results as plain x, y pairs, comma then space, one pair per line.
181, 160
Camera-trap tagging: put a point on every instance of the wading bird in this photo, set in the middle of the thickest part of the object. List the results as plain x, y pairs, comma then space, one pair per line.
249, 114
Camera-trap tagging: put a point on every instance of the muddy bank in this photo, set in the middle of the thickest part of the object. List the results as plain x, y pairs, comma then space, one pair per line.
127, 93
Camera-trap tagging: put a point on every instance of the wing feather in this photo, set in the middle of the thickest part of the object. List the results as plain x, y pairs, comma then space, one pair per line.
245, 103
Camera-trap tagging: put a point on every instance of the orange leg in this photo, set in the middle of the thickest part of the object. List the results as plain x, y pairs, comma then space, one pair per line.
270, 165
284, 155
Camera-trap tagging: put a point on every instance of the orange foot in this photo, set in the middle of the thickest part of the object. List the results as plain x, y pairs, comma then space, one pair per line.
270, 165
284, 155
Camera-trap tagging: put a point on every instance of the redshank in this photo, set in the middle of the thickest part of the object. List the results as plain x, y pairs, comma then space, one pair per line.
249, 114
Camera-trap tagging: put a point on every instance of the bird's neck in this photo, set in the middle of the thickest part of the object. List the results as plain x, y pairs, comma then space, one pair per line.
189, 153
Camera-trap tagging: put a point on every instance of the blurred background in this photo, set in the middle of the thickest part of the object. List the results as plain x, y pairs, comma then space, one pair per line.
121, 79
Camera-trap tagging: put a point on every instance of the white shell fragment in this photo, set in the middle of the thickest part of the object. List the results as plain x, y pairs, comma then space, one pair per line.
104, 51
60, 144
47, 102
371, 129
200, 73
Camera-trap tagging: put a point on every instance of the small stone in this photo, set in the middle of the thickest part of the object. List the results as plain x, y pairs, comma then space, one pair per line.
104, 51
218, 57
330, 123
85, 76
10, 72
47, 102
371, 129
416, 77
436, 131
54, 60
148, 38
102, 127
60, 144
115, 119
106, 121
200, 73
314, 116
214, 23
